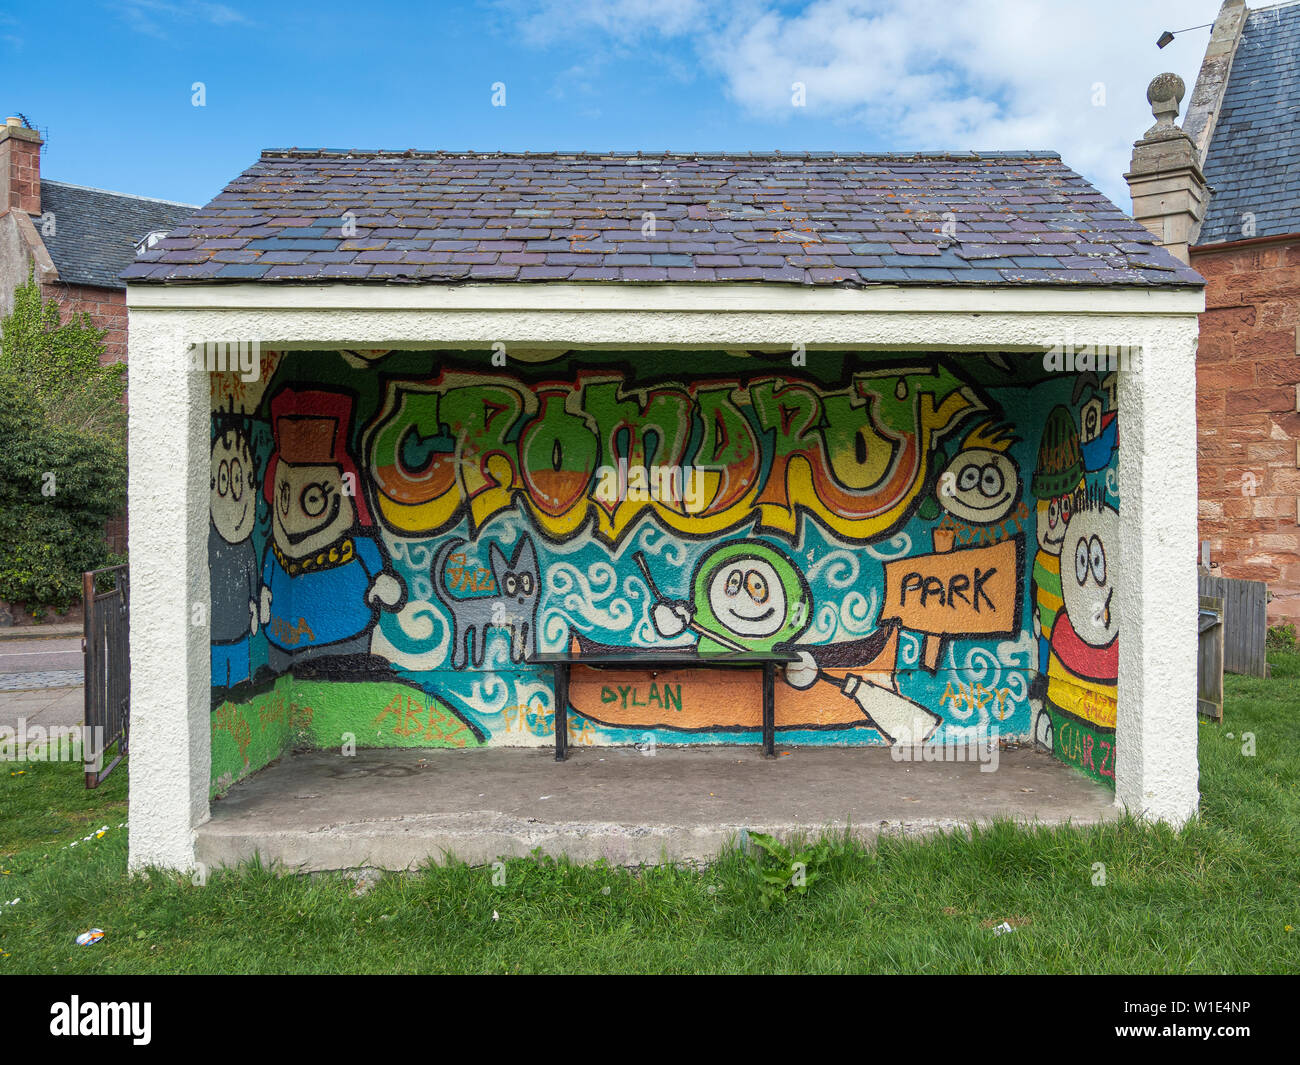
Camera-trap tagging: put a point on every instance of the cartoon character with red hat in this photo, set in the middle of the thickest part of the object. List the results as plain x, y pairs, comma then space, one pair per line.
324, 576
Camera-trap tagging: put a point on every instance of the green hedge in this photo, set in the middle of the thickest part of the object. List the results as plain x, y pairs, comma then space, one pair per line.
62, 451
58, 488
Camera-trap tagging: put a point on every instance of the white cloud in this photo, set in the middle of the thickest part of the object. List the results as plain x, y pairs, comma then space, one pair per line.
924, 74
151, 16
625, 21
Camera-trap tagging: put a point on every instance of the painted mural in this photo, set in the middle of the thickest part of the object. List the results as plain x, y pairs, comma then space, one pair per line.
396, 535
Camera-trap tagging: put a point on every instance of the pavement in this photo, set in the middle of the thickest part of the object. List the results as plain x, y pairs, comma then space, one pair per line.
396, 809
41, 675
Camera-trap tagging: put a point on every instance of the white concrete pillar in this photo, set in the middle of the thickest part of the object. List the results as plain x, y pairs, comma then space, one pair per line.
1156, 772
170, 598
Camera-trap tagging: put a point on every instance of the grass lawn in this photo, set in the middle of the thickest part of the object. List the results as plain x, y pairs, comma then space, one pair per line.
1221, 896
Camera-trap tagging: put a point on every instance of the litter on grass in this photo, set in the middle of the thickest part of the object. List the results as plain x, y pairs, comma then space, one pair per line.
87, 938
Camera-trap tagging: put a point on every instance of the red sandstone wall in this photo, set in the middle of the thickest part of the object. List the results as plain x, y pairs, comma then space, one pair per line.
1247, 370
106, 307
107, 310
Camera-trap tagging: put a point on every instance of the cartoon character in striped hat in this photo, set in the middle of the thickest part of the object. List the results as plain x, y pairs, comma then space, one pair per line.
1057, 482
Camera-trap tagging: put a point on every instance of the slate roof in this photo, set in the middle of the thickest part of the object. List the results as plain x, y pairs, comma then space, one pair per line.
95, 232
816, 218
1253, 161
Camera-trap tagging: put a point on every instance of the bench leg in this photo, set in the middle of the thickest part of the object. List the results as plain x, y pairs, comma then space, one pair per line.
769, 709
561, 712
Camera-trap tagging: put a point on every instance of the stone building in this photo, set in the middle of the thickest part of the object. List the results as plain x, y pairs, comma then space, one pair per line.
77, 239
1223, 193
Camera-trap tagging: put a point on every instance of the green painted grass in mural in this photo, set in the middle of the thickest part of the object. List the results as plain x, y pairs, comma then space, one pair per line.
377, 714
247, 736
1218, 897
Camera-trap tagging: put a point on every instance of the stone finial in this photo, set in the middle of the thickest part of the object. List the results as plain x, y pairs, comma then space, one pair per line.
1164, 178
1164, 94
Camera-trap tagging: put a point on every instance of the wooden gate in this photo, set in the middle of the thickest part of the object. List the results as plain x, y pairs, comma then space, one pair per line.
1245, 622
1209, 658
106, 644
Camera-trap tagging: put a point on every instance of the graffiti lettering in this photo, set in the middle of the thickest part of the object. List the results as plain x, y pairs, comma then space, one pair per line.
463, 578
626, 695
419, 528
974, 590
464, 444
959, 585
288, 633
407, 709
973, 697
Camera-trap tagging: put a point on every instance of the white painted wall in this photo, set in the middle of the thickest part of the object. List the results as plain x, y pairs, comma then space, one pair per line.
167, 498
1156, 768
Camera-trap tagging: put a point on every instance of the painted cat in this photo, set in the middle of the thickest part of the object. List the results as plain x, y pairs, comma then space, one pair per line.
511, 606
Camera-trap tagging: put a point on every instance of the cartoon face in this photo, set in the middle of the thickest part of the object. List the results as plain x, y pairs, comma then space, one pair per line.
979, 486
232, 496
519, 578
752, 595
747, 597
1053, 516
309, 508
1089, 568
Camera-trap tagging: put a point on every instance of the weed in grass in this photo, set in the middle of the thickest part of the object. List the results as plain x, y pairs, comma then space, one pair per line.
783, 873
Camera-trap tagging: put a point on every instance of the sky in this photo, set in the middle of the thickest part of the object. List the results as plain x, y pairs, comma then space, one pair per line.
113, 84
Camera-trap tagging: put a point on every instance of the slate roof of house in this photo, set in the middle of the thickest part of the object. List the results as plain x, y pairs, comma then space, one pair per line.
95, 232
816, 218
1253, 161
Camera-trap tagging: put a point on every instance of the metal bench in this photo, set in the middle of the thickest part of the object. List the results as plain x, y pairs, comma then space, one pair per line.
654, 661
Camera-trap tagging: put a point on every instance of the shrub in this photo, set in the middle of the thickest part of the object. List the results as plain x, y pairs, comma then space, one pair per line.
62, 452
57, 366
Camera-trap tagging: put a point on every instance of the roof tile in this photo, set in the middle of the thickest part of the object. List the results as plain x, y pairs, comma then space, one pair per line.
787, 218
1254, 154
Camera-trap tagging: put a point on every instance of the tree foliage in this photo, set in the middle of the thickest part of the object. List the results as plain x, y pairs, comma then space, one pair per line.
62, 451
58, 365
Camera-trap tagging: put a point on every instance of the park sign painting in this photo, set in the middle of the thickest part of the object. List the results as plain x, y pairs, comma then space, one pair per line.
395, 535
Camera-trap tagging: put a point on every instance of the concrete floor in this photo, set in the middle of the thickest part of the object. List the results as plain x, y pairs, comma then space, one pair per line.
395, 809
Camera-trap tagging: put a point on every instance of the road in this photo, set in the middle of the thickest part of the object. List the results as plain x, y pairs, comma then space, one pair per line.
40, 681
39, 656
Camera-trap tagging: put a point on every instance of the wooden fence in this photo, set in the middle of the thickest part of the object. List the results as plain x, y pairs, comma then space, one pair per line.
1245, 622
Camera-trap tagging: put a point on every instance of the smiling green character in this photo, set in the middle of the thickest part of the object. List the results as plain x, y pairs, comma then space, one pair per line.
747, 596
